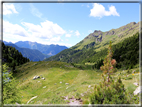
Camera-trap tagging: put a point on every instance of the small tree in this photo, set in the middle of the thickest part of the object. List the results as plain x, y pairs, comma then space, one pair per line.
10, 92
108, 91
109, 63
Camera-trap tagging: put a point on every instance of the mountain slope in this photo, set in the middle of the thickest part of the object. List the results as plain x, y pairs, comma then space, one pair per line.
101, 39
96, 50
32, 54
45, 49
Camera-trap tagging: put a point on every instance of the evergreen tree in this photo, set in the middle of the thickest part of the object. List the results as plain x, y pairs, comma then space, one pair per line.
109, 91
10, 92
109, 63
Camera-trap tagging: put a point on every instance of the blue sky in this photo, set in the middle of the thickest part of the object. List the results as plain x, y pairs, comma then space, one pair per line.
63, 23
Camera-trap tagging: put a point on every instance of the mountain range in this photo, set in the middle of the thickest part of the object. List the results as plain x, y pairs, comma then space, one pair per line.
32, 54
45, 49
93, 48
35, 51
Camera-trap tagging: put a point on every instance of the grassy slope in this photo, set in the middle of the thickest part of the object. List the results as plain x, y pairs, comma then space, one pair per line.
124, 31
56, 72
119, 35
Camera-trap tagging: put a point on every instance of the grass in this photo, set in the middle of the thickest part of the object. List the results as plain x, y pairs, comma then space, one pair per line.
56, 75
105, 41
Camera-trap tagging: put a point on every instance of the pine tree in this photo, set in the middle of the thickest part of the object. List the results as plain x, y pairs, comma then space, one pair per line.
10, 92
109, 63
108, 91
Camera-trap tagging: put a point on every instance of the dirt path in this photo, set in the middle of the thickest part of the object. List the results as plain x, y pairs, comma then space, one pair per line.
73, 101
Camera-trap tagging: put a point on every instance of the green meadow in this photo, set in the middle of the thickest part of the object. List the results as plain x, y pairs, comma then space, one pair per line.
64, 80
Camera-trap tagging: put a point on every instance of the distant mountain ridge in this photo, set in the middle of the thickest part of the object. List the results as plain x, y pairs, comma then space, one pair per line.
45, 49
32, 54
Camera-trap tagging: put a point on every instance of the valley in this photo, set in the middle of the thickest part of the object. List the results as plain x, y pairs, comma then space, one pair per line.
54, 89
73, 75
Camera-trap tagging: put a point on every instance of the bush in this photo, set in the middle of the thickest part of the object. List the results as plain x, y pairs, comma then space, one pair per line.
86, 102
112, 93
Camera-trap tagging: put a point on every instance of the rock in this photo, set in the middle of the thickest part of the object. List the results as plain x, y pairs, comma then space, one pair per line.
43, 78
89, 104
67, 83
82, 94
137, 91
133, 71
66, 98
35, 77
136, 84
44, 87
38, 76
89, 86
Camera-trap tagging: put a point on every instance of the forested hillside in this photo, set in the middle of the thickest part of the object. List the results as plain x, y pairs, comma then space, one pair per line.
126, 54
12, 57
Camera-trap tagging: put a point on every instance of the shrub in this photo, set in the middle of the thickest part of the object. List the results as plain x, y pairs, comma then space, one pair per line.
86, 102
112, 93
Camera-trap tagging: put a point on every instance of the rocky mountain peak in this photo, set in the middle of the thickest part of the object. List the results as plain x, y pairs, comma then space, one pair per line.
97, 31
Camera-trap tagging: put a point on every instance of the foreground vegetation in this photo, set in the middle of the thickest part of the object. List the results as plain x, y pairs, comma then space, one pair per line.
53, 89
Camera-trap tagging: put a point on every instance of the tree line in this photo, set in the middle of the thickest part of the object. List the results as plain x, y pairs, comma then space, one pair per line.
12, 57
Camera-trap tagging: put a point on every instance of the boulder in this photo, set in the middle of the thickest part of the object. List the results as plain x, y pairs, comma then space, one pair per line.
89, 86
137, 91
38, 76
136, 84
43, 78
44, 87
35, 77
67, 83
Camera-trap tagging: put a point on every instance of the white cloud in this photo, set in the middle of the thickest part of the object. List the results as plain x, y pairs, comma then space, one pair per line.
46, 29
35, 11
46, 32
56, 39
77, 33
67, 40
14, 29
68, 35
98, 10
8, 9
70, 31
